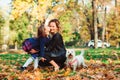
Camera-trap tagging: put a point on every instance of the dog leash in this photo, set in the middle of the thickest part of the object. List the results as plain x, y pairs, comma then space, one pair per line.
70, 63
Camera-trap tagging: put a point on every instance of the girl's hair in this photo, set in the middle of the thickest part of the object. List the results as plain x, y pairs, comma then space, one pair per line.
56, 21
41, 31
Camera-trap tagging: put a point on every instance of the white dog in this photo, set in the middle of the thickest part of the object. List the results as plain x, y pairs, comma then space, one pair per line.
74, 61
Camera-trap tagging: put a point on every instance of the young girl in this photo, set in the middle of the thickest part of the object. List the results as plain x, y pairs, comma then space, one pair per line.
37, 51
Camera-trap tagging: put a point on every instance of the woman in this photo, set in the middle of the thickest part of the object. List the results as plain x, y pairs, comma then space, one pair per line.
55, 49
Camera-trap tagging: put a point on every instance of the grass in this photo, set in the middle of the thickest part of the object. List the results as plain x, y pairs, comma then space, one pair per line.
95, 54
102, 54
12, 59
11, 62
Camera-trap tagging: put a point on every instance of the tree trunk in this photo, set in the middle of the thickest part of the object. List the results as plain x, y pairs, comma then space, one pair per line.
16, 46
90, 24
116, 14
117, 45
104, 27
91, 29
95, 23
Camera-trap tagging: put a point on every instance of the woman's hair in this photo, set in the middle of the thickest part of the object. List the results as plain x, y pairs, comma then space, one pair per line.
41, 31
56, 21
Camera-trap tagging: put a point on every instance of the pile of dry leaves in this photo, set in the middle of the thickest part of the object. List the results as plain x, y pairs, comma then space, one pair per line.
96, 71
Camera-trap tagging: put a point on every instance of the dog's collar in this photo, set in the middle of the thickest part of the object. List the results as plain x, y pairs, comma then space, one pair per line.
70, 63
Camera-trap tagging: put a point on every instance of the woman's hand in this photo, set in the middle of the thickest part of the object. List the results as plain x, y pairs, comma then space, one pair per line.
42, 59
32, 51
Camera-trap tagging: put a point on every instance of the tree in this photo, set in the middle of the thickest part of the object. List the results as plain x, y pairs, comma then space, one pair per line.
35, 12
103, 12
35, 8
2, 22
76, 16
95, 22
71, 11
117, 24
104, 27
19, 30
113, 29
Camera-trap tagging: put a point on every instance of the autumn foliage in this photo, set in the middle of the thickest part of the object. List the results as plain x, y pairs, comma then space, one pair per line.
104, 66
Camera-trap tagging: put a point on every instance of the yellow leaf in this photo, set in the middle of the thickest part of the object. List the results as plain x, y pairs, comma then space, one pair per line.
38, 75
68, 70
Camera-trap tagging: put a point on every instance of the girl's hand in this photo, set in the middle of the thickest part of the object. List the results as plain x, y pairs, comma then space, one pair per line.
42, 59
33, 51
